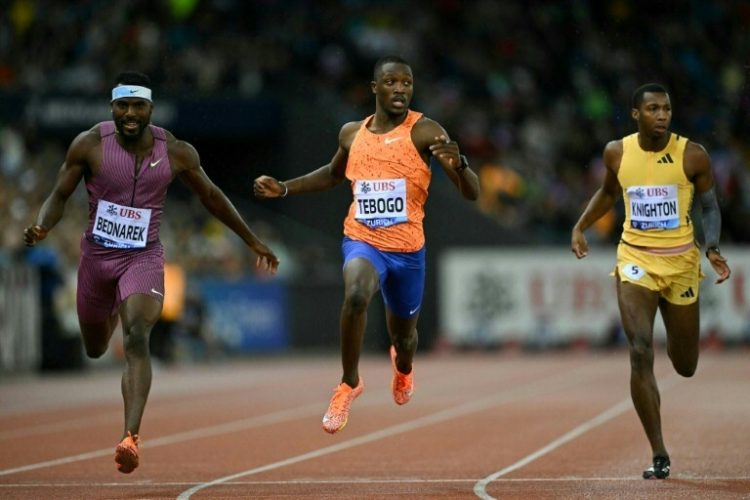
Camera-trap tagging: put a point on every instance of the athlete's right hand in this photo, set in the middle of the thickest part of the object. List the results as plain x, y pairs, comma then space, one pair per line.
578, 244
267, 187
34, 234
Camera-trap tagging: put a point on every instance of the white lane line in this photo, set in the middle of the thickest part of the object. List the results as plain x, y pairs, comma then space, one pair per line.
243, 424
531, 390
53, 427
480, 488
58, 461
156, 408
237, 425
355, 481
167, 397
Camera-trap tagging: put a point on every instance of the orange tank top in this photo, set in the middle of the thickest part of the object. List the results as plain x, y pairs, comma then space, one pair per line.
389, 181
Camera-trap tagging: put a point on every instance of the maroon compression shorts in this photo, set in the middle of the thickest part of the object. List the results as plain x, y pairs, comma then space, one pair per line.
107, 276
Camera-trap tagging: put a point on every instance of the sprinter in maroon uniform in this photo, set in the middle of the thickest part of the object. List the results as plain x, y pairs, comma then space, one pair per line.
127, 165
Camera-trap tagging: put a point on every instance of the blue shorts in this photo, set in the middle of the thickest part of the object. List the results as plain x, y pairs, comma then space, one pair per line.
401, 275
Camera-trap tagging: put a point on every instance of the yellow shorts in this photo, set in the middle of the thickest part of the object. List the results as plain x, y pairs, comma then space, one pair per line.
676, 277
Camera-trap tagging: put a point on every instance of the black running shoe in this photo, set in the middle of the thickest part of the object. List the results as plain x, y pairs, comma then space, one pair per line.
660, 469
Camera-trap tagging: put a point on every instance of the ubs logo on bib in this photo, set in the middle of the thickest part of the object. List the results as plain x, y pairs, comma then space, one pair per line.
383, 186
129, 213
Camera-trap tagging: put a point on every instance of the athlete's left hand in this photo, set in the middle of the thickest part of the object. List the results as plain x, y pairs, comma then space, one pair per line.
720, 265
267, 260
446, 150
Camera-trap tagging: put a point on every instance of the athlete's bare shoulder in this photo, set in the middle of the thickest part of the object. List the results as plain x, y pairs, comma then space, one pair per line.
696, 160
88, 138
614, 146
425, 131
428, 125
85, 150
182, 154
425, 121
347, 133
613, 155
694, 148
169, 136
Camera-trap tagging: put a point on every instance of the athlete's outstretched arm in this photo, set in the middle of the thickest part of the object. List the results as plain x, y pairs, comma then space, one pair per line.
70, 174
602, 201
320, 179
186, 162
323, 178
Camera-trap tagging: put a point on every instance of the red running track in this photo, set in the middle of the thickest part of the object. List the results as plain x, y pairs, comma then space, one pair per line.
482, 425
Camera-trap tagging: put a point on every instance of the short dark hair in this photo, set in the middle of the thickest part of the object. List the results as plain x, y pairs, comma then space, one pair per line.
378, 69
133, 78
637, 98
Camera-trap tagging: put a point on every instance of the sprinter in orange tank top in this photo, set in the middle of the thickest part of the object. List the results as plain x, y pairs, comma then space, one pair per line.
658, 260
386, 159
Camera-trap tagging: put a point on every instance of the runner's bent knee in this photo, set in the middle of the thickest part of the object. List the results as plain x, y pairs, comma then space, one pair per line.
356, 299
96, 338
136, 341
684, 365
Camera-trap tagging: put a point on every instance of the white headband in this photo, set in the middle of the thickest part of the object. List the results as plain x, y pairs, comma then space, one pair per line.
123, 91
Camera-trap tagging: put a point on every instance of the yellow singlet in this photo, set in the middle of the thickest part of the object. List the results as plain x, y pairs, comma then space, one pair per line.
657, 194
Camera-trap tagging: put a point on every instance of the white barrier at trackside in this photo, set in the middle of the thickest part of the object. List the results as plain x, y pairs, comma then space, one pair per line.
545, 296
20, 318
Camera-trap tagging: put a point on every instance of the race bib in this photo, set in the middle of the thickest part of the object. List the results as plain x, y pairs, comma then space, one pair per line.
380, 202
654, 207
118, 226
633, 271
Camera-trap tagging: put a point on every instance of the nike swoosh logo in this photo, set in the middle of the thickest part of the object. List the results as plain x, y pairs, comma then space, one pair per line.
133, 91
155, 163
412, 311
157, 293
392, 139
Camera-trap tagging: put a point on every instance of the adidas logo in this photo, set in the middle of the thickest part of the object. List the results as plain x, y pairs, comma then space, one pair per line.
688, 294
667, 158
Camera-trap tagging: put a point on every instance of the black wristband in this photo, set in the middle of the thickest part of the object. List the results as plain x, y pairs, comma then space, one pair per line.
713, 249
464, 163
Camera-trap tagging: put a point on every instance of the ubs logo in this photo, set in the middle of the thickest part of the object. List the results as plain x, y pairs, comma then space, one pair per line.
384, 186
129, 213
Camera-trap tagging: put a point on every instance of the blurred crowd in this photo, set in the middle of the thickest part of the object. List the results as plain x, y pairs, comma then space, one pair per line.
532, 92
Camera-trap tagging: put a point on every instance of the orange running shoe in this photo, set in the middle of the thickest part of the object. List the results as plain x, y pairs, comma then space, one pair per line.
126, 453
338, 410
401, 385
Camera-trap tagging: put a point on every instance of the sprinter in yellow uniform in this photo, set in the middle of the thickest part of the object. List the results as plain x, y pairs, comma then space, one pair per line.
658, 260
